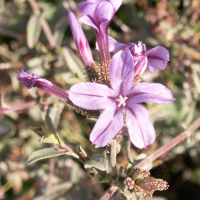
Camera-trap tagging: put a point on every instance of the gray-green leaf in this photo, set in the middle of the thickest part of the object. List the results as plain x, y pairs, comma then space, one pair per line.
33, 30
97, 161
45, 153
52, 128
74, 63
7, 129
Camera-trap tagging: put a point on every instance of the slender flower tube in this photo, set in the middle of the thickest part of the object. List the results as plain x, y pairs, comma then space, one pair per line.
152, 60
98, 14
31, 80
122, 96
80, 40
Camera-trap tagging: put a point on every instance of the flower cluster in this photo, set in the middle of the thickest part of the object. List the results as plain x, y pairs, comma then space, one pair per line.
142, 183
119, 95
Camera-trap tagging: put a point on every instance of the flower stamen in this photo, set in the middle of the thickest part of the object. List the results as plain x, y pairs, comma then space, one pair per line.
121, 101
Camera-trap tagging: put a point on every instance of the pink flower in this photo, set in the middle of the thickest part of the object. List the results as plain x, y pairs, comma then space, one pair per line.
80, 40
31, 80
122, 96
151, 60
98, 14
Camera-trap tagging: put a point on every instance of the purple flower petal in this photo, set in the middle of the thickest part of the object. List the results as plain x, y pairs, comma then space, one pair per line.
150, 92
157, 58
116, 4
140, 66
105, 13
91, 96
82, 5
138, 50
114, 46
89, 16
80, 39
140, 127
109, 124
122, 72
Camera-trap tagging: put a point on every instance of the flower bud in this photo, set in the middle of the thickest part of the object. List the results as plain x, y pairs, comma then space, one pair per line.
129, 183
31, 80
140, 181
80, 40
140, 58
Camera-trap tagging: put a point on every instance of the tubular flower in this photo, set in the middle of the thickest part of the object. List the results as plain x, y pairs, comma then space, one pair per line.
31, 80
80, 40
98, 14
122, 96
151, 60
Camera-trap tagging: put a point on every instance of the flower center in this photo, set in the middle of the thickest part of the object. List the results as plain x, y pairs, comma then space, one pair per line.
121, 101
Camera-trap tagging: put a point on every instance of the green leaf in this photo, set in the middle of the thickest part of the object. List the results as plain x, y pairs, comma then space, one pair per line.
74, 63
46, 135
33, 30
49, 123
49, 137
60, 28
45, 153
97, 161
7, 129
38, 131
52, 129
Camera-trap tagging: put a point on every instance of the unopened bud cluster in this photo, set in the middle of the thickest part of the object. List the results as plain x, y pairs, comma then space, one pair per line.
140, 182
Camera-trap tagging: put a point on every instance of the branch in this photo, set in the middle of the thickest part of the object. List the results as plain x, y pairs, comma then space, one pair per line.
170, 145
109, 192
128, 150
51, 172
44, 23
17, 107
113, 155
17, 65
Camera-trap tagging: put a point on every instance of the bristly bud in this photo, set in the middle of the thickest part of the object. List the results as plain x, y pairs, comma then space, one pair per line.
129, 183
142, 183
80, 40
87, 113
138, 173
92, 72
31, 80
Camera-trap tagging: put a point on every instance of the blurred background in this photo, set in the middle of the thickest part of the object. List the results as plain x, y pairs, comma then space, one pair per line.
27, 43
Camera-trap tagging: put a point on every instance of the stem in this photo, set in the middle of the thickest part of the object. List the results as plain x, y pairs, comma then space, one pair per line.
51, 172
170, 145
44, 24
109, 192
17, 65
74, 154
128, 152
113, 156
17, 107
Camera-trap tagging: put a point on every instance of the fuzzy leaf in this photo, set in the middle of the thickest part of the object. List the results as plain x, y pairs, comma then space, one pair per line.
52, 129
74, 63
61, 27
49, 137
33, 30
97, 161
45, 153
38, 131
7, 129
49, 122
